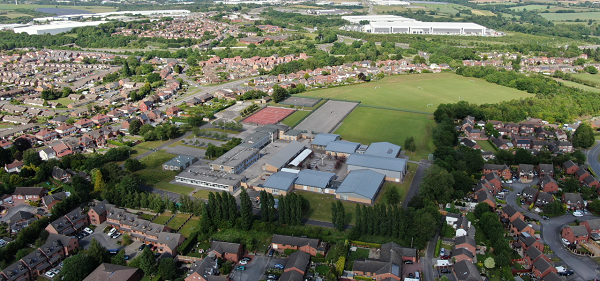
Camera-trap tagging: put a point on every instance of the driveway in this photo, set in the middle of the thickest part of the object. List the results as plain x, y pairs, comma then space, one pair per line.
256, 268
13, 210
585, 268
101, 237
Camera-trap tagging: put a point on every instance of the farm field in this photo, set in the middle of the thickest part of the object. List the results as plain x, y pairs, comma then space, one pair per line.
422, 92
531, 7
571, 16
293, 119
367, 125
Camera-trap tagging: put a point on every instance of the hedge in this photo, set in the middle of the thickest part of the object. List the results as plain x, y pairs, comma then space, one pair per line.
188, 243
365, 244
363, 278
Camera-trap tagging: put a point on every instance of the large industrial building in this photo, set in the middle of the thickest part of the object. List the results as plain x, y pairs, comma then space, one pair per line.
388, 24
55, 27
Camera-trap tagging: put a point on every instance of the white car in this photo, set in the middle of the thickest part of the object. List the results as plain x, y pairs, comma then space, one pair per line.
88, 230
117, 235
566, 242
578, 214
50, 274
112, 231
244, 262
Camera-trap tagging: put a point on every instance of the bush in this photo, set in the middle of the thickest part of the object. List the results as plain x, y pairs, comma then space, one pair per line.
365, 244
288, 252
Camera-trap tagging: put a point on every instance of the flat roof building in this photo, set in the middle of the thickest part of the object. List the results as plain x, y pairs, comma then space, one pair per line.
284, 156
341, 148
280, 183
257, 140
394, 169
204, 177
235, 160
322, 140
383, 149
315, 181
434, 28
360, 186
179, 162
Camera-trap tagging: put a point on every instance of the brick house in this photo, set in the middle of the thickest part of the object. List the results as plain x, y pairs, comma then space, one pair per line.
591, 181
542, 267
530, 194
227, 251
297, 261
97, 213
592, 226
575, 234
532, 255
570, 167
526, 172
382, 269
501, 170
29, 193
581, 174
307, 245
509, 212
574, 201
545, 169
529, 241
548, 184
460, 254
168, 242
465, 242
519, 226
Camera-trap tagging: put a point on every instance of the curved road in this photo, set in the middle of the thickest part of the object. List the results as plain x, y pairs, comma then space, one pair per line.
592, 158
585, 268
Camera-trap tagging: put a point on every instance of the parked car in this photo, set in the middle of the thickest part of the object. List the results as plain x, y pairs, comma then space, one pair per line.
272, 276
445, 257
142, 247
410, 275
445, 271
112, 231
545, 218
565, 241
567, 272
279, 266
80, 235
271, 252
126, 257
50, 274
578, 214
116, 235
408, 262
243, 262
88, 230
241, 268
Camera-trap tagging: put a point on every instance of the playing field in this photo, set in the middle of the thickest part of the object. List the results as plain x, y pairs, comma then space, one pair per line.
577, 85
269, 115
571, 16
367, 125
422, 92
293, 119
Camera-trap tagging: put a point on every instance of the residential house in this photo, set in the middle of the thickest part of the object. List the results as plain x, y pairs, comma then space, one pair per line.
29, 193
65, 130
526, 173
50, 200
173, 111
297, 262
548, 184
97, 213
100, 119
530, 194
465, 242
460, 254
466, 271
206, 269
112, 272
543, 198
592, 226
14, 167
528, 241
545, 169
574, 201
487, 197
570, 167
532, 254
577, 234
591, 181
501, 170
46, 135
388, 266
581, 173
227, 251
509, 212
168, 242
519, 226
47, 154
308, 245
542, 267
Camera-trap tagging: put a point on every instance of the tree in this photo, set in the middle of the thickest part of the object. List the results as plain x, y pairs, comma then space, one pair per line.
334, 214
584, 136
167, 269
553, 208
595, 206
481, 209
489, 262
591, 69
153, 77
97, 253
99, 184
119, 258
392, 196
341, 216
125, 70
76, 268
245, 210
279, 94
133, 165
31, 157
145, 262
22, 144
437, 184
409, 144
134, 126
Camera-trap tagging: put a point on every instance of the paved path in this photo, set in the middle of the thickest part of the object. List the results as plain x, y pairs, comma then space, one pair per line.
585, 268
416, 182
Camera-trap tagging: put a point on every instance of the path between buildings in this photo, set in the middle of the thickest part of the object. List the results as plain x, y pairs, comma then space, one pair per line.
416, 182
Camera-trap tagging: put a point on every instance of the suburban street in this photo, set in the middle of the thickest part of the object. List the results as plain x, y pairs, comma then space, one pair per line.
592, 158
585, 268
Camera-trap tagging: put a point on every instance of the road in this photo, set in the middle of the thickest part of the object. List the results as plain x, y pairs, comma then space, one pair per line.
592, 158
585, 268
416, 182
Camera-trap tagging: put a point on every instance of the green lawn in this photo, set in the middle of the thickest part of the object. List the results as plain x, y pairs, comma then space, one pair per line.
360, 253
64, 101
223, 131
422, 92
320, 206
166, 185
367, 125
191, 226
153, 173
202, 193
402, 187
178, 221
571, 16
163, 218
151, 144
147, 216
486, 146
295, 118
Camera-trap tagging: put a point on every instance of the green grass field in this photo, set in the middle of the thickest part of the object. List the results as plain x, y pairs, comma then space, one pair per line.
589, 77
577, 85
571, 16
293, 119
531, 7
178, 221
202, 193
191, 226
486, 146
367, 125
320, 206
422, 92
402, 187
163, 218
153, 175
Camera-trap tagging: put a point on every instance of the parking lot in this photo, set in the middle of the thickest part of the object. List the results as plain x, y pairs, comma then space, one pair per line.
101, 237
256, 268
14, 209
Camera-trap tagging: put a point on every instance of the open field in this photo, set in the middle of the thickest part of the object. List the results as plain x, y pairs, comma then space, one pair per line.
486, 146
153, 175
178, 221
93, 9
417, 91
577, 85
531, 7
320, 206
367, 125
571, 16
293, 119
167, 186
203, 193
589, 77
191, 226
402, 187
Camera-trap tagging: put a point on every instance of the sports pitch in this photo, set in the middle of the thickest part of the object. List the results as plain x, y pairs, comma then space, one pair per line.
422, 92
367, 125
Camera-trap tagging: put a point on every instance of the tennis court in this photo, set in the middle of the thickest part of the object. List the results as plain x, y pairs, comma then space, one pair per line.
301, 101
269, 115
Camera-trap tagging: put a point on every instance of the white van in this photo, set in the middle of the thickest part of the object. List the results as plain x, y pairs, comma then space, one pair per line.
112, 231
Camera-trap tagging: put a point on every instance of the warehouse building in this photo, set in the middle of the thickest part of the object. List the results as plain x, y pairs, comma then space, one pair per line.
388, 24
55, 27
236, 160
360, 186
377, 18
203, 177
394, 169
